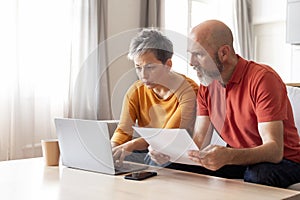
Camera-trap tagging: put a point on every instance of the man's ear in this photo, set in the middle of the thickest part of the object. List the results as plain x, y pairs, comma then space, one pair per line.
223, 53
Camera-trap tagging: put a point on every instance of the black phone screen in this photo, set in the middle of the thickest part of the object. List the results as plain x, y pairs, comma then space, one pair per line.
140, 175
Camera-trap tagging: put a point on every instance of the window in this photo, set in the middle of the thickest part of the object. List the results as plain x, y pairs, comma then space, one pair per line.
35, 60
191, 12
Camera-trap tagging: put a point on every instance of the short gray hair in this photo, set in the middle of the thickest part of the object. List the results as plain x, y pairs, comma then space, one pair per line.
151, 40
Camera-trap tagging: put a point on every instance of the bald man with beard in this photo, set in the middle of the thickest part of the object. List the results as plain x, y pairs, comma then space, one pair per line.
246, 103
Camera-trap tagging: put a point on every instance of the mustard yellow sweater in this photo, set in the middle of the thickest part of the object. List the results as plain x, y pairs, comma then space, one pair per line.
141, 106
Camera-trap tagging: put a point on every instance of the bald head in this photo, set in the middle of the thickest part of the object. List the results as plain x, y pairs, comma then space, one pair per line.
212, 34
211, 48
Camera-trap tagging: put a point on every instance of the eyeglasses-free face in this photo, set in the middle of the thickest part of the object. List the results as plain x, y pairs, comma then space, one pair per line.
150, 70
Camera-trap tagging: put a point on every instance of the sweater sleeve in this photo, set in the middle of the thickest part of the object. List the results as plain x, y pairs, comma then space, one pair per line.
124, 131
185, 115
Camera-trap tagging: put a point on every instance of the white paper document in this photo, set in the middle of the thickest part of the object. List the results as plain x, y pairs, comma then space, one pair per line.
172, 142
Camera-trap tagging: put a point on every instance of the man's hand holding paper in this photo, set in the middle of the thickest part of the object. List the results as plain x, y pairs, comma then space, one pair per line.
211, 157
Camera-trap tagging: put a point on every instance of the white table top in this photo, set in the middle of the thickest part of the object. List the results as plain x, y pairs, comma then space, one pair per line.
31, 179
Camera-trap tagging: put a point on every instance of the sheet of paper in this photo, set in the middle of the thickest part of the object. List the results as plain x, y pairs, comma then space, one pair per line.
172, 142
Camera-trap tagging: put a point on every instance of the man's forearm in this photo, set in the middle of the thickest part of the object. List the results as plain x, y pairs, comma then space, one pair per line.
268, 152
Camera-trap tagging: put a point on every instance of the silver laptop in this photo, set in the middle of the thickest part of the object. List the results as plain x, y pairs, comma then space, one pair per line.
85, 144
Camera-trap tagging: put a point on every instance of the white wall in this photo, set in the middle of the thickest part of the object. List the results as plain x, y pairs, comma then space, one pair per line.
123, 21
269, 26
271, 48
265, 11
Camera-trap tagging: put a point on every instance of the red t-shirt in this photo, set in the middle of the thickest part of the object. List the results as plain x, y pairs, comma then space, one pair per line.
254, 94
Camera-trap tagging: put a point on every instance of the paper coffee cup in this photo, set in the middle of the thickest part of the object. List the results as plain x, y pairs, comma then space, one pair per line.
51, 152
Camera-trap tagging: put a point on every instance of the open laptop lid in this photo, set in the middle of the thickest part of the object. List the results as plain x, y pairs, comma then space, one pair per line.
85, 144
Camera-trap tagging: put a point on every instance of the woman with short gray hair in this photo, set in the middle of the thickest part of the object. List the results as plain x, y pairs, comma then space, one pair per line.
161, 98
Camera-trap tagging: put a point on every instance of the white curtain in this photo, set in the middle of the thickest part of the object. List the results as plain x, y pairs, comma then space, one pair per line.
243, 27
34, 73
53, 64
89, 84
152, 13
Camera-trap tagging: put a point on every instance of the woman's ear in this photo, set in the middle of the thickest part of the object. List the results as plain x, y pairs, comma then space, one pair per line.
169, 63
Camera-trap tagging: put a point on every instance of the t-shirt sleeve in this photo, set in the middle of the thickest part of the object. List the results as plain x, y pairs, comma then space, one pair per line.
185, 114
270, 98
201, 102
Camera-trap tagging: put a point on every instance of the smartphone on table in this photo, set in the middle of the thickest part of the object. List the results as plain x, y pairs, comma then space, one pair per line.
141, 175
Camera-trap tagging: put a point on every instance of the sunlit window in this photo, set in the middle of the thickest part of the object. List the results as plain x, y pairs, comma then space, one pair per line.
34, 72
181, 16
36, 45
